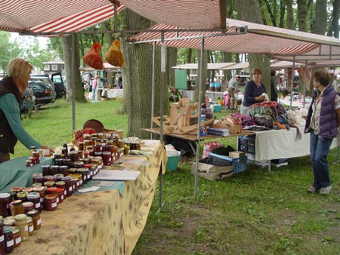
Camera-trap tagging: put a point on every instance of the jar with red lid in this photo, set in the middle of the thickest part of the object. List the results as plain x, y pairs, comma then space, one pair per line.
9, 240
5, 199
50, 202
28, 206
2, 238
34, 197
74, 184
62, 185
16, 207
35, 215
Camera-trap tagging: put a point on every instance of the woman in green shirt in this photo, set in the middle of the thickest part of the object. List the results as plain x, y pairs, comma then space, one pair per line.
12, 87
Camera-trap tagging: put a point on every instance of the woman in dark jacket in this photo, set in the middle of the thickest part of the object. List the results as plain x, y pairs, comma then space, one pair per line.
12, 88
322, 122
253, 92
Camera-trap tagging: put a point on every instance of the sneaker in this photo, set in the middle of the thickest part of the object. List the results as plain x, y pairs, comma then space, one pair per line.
325, 190
312, 189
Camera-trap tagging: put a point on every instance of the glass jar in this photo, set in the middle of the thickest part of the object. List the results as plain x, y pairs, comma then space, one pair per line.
28, 206
68, 185
35, 215
5, 199
9, 241
38, 178
2, 238
34, 197
107, 158
16, 237
50, 202
62, 185
21, 223
16, 207
49, 184
41, 190
9, 221
35, 185
30, 225
73, 156
22, 196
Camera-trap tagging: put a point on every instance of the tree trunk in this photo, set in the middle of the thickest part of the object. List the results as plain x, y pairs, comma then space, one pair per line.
302, 10
334, 27
320, 21
290, 14
255, 60
227, 57
172, 61
137, 77
72, 61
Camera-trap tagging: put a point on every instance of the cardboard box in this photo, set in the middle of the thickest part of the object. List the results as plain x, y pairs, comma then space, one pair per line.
235, 154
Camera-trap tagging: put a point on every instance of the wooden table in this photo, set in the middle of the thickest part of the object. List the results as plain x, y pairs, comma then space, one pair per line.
105, 222
193, 137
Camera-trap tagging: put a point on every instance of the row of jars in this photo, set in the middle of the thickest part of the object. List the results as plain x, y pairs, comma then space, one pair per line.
14, 230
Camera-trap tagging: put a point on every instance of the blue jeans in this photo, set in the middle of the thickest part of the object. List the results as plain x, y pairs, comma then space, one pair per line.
319, 148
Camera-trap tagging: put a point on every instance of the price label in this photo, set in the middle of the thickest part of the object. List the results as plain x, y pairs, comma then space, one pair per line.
26, 228
2, 238
37, 205
70, 189
10, 243
30, 229
54, 205
18, 240
65, 192
41, 199
39, 222
62, 197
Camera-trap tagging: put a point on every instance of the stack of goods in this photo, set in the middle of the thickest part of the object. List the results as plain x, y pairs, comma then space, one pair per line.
264, 116
182, 117
107, 146
232, 124
20, 217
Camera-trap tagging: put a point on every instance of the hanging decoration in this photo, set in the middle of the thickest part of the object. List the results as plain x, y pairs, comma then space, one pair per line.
93, 58
114, 56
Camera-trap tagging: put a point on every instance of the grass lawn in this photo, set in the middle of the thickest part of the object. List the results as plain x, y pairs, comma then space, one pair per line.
255, 212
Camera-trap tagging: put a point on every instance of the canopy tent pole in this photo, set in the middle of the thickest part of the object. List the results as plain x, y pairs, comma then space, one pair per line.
292, 85
161, 111
201, 82
153, 85
304, 87
73, 85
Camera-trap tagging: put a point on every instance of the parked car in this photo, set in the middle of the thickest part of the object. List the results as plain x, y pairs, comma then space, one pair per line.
43, 92
59, 84
56, 81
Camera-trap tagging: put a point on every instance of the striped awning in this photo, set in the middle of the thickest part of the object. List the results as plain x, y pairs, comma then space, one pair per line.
192, 14
45, 16
258, 39
64, 16
210, 66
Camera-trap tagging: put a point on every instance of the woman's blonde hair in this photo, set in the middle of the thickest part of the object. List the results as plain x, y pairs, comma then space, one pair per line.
19, 68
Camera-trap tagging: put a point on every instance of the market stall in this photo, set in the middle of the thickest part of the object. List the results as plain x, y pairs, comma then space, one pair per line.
99, 222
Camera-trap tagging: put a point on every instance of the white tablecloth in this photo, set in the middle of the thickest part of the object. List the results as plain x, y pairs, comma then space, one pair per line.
276, 144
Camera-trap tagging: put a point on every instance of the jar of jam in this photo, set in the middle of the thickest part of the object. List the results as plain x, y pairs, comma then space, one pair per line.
74, 184
16, 207
37, 178
35, 215
5, 199
62, 185
68, 185
21, 223
16, 237
30, 225
34, 197
49, 184
53, 190
9, 221
22, 196
62, 170
2, 238
54, 169
73, 155
41, 190
50, 202
9, 240
81, 146
28, 206
107, 158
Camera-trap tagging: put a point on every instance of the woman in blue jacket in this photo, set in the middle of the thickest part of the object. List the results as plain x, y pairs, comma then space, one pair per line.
12, 88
